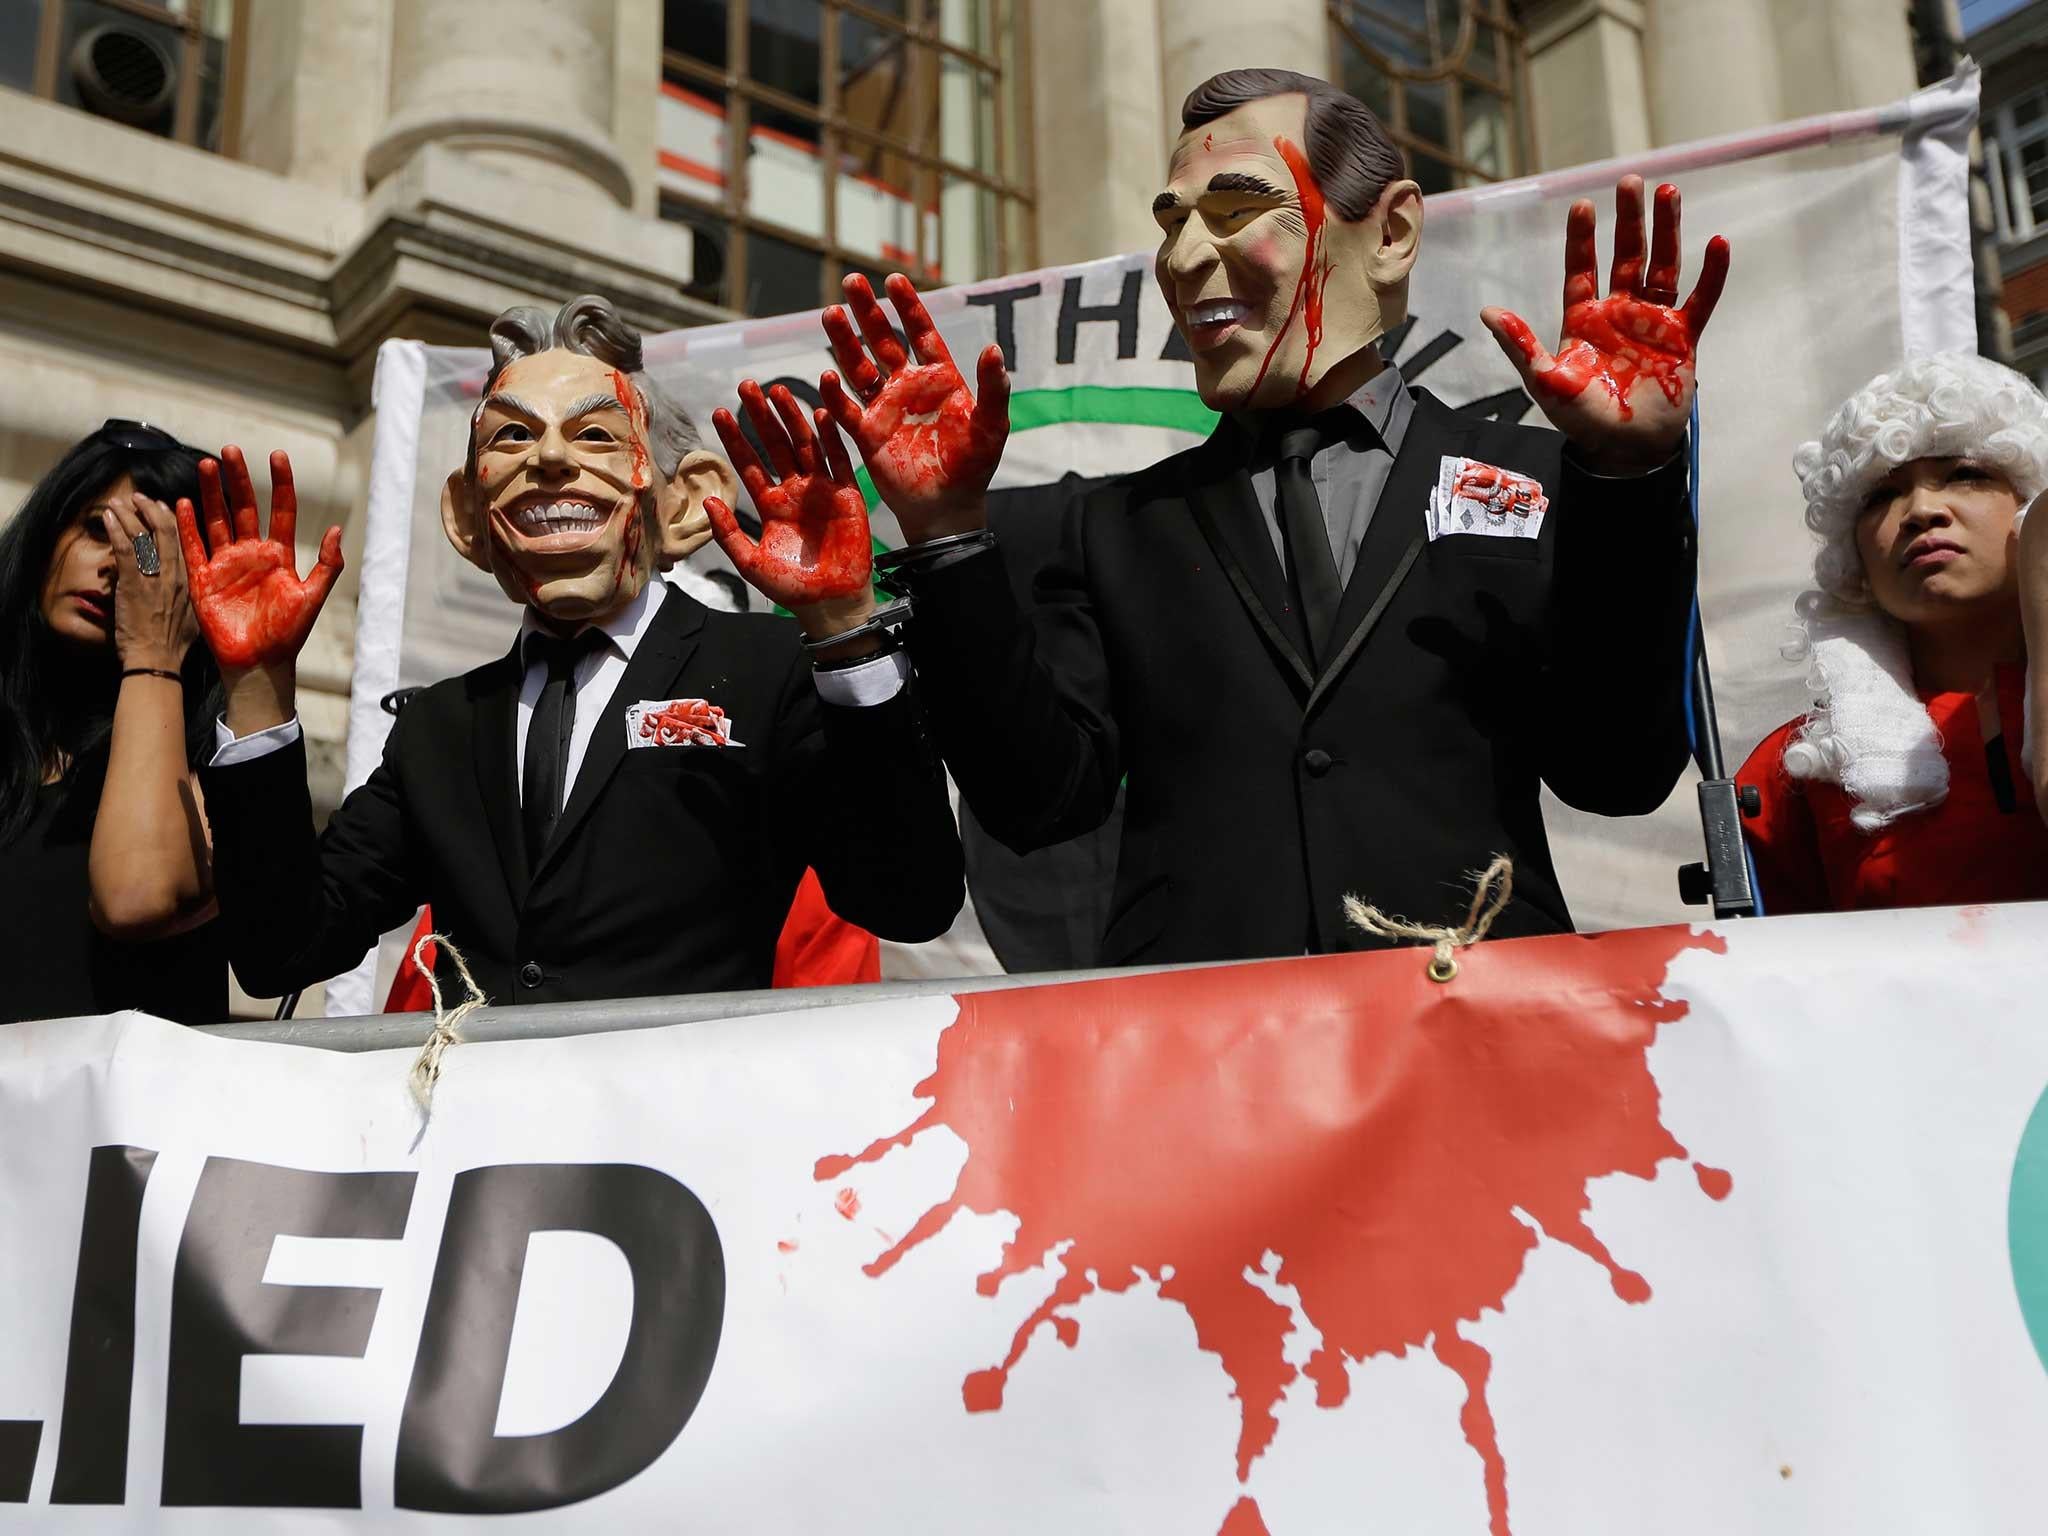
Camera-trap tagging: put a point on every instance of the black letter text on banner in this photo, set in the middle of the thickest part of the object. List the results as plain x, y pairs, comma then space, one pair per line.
222, 1310
450, 1458
99, 1369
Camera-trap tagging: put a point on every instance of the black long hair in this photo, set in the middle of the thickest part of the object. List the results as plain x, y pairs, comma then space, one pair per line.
55, 702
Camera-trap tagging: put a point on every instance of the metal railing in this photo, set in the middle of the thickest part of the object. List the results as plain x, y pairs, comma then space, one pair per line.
547, 1021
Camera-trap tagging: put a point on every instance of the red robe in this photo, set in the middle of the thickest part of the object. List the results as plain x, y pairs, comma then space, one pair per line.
1811, 858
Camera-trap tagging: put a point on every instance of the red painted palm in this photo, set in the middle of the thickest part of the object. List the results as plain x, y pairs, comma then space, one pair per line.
253, 607
1620, 384
930, 444
814, 545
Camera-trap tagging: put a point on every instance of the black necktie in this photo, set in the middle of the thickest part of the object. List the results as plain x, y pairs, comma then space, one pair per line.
1311, 568
544, 784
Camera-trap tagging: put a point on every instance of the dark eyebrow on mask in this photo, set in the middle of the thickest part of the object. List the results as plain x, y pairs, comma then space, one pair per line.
1239, 181
1165, 202
590, 405
505, 402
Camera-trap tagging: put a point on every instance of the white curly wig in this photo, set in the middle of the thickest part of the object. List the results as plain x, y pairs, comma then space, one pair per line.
1868, 730
1946, 405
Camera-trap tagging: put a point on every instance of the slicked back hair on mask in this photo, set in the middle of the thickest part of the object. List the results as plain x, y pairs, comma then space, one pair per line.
594, 327
1349, 152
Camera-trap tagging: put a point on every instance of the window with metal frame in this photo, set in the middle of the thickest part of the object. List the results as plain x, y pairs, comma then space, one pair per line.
1444, 76
2016, 163
805, 139
160, 67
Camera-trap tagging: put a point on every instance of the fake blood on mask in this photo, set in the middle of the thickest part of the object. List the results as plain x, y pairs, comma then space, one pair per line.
1308, 288
629, 400
1424, 1138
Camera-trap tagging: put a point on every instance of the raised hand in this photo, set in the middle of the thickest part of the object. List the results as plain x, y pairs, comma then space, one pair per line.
814, 546
154, 625
1620, 384
929, 444
253, 609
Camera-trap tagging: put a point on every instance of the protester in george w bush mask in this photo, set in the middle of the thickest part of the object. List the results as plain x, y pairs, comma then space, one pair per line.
1338, 647
622, 804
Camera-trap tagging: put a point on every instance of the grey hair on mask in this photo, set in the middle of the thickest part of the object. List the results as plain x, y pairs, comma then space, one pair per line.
594, 327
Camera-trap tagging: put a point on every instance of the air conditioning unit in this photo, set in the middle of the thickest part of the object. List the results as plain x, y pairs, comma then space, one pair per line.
118, 65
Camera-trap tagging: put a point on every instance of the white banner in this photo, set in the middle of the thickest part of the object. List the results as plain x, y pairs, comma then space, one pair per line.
1851, 246
1655, 1230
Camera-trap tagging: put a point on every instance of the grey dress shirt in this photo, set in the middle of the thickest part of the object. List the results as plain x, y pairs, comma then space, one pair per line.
1349, 476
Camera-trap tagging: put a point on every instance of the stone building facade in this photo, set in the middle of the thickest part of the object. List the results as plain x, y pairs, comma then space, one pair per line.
2013, 51
214, 227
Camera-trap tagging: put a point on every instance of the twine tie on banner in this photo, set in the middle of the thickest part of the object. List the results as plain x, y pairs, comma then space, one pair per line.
1489, 899
426, 1068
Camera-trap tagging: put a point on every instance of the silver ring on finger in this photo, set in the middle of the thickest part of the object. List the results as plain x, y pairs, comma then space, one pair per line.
147, 560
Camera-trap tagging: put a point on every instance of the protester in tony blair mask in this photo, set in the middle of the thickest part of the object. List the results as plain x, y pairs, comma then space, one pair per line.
624, 803
1341, 645
106, 882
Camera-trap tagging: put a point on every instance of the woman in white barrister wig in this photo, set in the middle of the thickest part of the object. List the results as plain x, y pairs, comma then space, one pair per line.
1904, 784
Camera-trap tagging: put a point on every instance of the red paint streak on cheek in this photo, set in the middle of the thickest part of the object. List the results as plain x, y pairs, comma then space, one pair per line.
629, 399
1308, 288
846, 1203
1715, 1183
1417, 1252
1315, 269
1208, 141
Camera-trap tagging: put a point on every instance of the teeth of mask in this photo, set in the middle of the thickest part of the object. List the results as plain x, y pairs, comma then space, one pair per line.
560, 517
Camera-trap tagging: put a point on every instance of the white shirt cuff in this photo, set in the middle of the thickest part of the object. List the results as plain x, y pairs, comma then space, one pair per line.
229, 748
869, 682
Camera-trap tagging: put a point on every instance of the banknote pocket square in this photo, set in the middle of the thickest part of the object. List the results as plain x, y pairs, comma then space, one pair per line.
1471, 496
678, 723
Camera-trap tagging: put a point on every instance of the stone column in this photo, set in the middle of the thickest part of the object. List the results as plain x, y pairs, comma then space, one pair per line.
1096, 128
1200, 38
305, 111
521, 86
1712, 67
1837, 54
1587, 96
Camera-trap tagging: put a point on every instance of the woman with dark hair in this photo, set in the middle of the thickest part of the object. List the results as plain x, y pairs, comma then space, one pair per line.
106, 704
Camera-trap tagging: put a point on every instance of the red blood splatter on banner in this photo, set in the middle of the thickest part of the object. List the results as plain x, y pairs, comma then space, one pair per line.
1308, 288
1155, 1123
846, 1203
785, 1245
1715, 1183
1244, 1519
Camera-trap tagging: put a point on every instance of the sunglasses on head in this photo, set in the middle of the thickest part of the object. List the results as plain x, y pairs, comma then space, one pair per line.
141, 437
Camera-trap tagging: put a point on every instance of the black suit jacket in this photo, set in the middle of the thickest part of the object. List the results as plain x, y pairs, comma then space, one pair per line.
672, 868
1469, 670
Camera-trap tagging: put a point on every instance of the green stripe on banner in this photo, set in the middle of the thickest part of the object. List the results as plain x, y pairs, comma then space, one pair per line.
1112, 405
1123, 406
